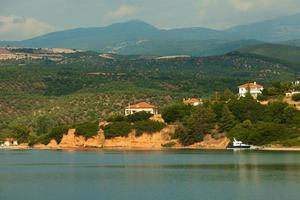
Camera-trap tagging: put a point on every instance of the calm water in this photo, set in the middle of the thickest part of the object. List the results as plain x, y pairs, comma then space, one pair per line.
50, 175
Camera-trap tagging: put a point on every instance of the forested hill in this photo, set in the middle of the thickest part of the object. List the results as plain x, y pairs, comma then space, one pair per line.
85, 86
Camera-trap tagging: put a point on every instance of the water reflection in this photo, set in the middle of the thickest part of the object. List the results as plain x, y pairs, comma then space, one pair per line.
149, 175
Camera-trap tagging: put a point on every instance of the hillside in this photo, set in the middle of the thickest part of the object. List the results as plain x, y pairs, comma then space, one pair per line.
84, 86
286, 53
274, 30
292, 42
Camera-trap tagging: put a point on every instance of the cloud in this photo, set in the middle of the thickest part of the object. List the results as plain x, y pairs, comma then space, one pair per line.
14, 28
243, 5
123, 11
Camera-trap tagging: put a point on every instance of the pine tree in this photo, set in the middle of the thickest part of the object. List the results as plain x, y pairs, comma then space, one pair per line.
227, 120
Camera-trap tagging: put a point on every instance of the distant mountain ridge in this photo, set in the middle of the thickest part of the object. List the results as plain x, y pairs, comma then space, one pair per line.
138, 37
275, 30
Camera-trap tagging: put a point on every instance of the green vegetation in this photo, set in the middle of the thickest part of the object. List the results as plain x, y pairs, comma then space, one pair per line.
148, 127
275, 51
192, 128
39, 95
140, 122
176, 112
296, 97
117, 129
87, 129
139, 116
244, 119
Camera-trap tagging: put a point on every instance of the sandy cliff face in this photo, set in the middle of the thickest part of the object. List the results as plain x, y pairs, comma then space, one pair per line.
154, 141
211, 143
146, 141
72, 141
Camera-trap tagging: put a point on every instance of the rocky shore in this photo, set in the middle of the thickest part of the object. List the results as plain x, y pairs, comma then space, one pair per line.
156, 141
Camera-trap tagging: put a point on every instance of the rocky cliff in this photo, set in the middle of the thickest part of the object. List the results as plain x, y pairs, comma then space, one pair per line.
154, 141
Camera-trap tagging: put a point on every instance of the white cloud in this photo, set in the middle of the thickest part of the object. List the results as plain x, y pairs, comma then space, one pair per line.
16, 28
123, 11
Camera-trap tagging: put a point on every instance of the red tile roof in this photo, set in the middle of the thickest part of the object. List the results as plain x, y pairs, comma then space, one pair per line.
251, 85
192, 101
141, 105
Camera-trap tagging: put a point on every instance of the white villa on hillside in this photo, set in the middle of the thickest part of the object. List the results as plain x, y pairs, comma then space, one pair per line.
294, 90
253, 88
143, 106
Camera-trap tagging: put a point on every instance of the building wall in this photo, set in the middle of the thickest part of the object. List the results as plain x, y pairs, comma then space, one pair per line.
132, 111
253, 91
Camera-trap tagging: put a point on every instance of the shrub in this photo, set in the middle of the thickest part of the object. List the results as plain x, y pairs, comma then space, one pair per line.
139, 116
58, 132
32, 140
262, 97
176, 112
55, 133
291, 142
169, 144
87, 129
117, 129
186, 136
296, 97
44, 139
148, 126
21, 133
116, 118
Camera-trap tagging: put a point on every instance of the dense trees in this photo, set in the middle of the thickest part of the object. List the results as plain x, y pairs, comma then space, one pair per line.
244, 118
193, 127
227, 121
140, 122
116, 129
176, 112
138, 116
21, 133
87, 129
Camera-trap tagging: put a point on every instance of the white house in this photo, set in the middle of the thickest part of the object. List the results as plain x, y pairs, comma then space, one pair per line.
253, 88
7, 142
193, 101
143, 106
294, 90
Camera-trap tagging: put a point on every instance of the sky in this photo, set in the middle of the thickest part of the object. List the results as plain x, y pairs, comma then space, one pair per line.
22, 19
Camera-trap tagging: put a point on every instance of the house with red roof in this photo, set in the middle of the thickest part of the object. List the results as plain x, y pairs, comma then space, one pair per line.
253, 88
193, 101
143, 106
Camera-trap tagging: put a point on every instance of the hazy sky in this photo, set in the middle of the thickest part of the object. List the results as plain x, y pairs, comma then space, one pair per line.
20, 19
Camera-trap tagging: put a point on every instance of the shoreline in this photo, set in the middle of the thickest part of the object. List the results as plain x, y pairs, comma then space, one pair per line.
287, 149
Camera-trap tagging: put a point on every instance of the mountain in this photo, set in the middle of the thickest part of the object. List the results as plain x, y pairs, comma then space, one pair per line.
279, 29
289, 54
138, 37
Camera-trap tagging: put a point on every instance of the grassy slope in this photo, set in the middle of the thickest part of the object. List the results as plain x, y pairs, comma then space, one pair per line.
284, 52
66, 92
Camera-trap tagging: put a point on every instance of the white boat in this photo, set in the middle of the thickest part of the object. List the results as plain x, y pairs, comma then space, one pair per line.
239, 145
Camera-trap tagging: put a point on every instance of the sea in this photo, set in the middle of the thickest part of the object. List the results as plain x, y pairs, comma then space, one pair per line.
149, 175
